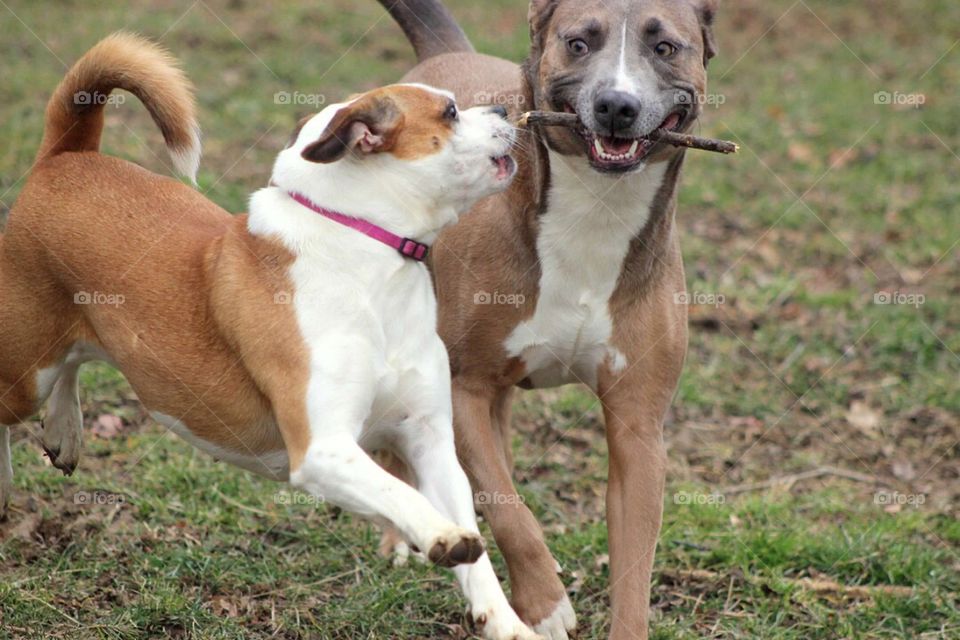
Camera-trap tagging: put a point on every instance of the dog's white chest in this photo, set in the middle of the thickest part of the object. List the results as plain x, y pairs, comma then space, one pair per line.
583, 240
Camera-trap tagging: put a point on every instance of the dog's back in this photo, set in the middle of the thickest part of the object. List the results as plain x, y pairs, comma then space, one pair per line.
51, 280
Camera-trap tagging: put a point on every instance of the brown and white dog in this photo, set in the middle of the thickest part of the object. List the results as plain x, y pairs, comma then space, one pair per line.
585, 248
285, 341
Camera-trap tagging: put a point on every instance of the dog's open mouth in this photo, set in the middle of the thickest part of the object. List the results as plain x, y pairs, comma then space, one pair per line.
613, 153
505, 166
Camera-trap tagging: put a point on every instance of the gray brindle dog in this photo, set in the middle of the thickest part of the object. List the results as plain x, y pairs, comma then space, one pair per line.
584, 247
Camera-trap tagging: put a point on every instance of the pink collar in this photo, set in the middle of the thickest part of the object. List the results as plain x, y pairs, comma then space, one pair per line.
407, 247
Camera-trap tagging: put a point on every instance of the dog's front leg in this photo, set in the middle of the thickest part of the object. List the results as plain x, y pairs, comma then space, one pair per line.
322, 430
634, 512
428, 447
336, 469
634, 405
538, 594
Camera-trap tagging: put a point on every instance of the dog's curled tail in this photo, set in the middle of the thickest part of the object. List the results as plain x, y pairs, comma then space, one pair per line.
429, 27
74, 117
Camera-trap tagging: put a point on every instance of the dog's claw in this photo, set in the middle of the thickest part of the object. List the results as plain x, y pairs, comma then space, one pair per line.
54, 456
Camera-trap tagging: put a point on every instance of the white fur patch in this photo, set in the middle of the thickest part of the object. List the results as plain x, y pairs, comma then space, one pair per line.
557, 624
584, 238
624, 79
186, 160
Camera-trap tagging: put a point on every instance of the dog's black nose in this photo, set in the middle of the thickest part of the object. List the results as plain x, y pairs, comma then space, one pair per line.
500, 110
616, 110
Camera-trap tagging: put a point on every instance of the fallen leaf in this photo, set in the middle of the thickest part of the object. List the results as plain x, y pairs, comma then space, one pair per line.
904, 470
107, 426
863, 418
800, 152
840, 158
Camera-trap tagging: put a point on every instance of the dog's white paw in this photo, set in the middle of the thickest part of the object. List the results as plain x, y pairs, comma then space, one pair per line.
503, 625
557, 625
456, 546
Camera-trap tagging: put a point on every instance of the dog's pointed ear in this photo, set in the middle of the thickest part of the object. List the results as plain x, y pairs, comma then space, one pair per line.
368, 125
707, 12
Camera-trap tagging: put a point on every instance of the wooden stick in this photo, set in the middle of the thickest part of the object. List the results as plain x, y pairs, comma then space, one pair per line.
818, 586
557, 119
789, 480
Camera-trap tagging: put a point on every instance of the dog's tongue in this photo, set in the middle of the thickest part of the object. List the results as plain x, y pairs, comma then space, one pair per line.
504, 166
616, 146
671, 122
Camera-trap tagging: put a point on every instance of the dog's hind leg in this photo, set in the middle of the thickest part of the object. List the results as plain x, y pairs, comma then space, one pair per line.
63, 422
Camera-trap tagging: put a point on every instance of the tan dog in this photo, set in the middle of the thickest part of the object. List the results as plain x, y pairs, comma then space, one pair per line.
574, 274
288, 342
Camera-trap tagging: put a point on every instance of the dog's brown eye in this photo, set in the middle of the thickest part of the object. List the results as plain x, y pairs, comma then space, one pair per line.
451, 112
665, 49
578, 47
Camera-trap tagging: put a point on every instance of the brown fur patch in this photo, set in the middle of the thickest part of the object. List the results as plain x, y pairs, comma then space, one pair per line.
202, 333
409, 121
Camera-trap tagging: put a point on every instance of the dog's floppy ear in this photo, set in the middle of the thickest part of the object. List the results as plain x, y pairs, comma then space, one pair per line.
538, 16
707, 12
368, 125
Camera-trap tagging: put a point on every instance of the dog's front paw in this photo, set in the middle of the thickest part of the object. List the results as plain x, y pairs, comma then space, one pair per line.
557, 624
458, 546
503, 625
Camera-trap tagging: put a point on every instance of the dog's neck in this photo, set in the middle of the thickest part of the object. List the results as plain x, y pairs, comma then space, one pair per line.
536, 173
392, 202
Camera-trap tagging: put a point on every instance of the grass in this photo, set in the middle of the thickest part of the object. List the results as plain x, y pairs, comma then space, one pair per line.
834, 200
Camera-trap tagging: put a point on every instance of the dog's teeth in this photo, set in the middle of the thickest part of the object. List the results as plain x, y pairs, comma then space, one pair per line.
598, 146
633, 148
